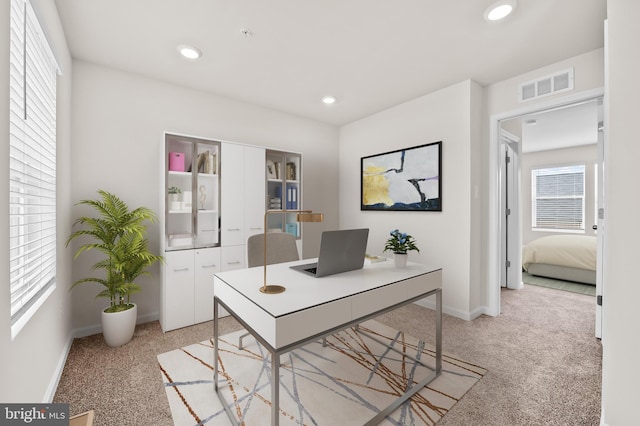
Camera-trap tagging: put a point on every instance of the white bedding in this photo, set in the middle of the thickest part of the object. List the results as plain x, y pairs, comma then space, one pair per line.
574, 251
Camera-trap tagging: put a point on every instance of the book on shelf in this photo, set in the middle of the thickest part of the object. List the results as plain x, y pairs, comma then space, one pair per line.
207, 163
291, 171
292, 197
275, 203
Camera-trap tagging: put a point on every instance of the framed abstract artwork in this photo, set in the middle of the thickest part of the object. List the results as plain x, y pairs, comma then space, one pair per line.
407, 179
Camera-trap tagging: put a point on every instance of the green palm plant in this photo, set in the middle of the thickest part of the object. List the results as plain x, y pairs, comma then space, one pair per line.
120, 235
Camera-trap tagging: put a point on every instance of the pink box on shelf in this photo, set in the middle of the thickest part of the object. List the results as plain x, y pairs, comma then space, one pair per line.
176, 161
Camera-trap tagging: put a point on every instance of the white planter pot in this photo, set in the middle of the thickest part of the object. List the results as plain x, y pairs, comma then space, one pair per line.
118, 327
400, 260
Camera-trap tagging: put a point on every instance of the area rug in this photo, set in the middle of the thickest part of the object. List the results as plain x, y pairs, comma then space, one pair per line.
569, 286
345, 382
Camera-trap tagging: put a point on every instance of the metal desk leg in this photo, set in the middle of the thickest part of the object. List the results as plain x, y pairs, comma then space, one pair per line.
215, 344
275, 388
438, 331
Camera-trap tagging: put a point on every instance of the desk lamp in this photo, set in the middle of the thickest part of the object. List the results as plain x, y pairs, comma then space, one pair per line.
302, 216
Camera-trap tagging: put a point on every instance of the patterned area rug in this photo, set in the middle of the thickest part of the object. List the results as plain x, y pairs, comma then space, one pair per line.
346, 382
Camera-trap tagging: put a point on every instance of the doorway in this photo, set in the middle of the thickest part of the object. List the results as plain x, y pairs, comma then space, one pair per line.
506, 215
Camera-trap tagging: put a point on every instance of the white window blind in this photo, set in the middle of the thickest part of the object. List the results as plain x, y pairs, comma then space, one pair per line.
558, 197
32, 165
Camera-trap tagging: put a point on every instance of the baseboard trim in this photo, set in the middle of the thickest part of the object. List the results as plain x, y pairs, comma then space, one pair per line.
465, 315
57, 374
97, 328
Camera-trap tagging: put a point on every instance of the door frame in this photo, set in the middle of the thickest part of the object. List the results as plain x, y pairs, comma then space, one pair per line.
496, 172
511, 275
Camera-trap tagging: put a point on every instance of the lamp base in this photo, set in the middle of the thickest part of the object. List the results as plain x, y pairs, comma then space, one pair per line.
272, 289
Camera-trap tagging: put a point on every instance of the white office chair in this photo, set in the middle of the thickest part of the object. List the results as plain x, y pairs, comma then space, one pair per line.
281, 247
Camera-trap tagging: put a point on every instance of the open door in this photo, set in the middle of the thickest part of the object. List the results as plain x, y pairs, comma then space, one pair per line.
600, 227
511, 275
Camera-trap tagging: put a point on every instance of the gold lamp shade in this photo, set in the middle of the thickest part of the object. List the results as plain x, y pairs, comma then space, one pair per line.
302, 216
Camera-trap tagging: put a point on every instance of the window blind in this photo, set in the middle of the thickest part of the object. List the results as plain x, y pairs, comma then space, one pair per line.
558, 197
32, 165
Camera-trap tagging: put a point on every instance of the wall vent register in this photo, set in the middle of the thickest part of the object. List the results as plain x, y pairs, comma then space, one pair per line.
545, 86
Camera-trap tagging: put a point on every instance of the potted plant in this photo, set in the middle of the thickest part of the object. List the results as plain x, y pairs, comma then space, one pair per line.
400, 243
174, 197
120, 235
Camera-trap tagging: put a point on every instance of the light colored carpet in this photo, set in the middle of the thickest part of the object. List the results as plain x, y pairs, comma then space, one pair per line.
544, 364
347, 382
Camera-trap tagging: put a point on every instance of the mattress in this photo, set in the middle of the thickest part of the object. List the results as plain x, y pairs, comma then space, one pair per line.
565, 257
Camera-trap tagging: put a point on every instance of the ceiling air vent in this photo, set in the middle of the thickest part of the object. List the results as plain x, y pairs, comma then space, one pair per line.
545, 86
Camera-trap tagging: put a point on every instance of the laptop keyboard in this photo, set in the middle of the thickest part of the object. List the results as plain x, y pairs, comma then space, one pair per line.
311, 270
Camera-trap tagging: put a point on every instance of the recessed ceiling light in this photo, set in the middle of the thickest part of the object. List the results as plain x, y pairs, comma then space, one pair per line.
500, 10
329, 99
189, 52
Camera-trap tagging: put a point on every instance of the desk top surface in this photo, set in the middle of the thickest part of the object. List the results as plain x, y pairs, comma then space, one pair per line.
304, 291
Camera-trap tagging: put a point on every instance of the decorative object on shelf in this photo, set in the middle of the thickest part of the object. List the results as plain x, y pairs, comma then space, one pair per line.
401, 180
186, 201
302, 216
400, 243
203, 196
271, 170
176, 161
174, 198
174, 190
119, 234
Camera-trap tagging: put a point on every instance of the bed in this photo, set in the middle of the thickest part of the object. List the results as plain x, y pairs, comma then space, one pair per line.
562, 257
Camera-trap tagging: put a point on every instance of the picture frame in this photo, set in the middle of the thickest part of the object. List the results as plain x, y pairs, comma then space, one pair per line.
407, 179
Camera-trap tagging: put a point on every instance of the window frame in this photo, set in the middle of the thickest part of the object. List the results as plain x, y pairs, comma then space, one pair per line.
32, 166
548, 170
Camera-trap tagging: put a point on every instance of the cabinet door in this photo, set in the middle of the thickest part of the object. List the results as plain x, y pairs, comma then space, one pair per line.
207, 263
233, 258
178, 291
254, 191
232, 175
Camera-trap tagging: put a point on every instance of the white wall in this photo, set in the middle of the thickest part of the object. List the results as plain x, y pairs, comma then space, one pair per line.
621, 346
117, 137
588, 74
585, 154
29, 364
444, 238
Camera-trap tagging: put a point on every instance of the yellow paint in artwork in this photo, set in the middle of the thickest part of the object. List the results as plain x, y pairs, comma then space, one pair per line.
375, 187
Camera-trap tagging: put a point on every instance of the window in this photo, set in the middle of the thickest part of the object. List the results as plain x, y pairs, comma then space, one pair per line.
558, 198
32, 166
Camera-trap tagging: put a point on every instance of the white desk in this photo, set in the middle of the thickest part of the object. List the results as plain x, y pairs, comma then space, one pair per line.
312, 308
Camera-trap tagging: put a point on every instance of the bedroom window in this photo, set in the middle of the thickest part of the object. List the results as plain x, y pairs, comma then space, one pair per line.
558, 198
32, 165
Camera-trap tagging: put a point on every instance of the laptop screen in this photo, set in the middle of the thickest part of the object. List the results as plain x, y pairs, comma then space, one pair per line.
340, 251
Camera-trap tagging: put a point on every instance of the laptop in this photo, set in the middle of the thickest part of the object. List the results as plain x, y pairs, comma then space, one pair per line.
340, 251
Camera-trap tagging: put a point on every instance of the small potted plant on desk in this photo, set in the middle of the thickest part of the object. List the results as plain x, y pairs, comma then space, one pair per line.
120, 235
400, 243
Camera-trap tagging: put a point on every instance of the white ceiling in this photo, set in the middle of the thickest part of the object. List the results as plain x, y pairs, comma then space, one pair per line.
561, 128
370, 54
